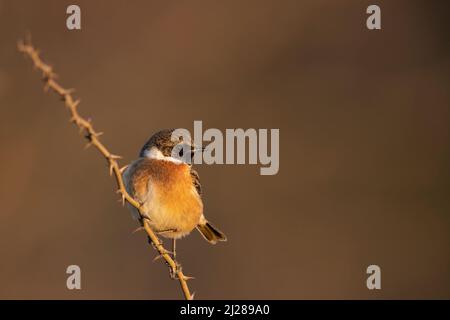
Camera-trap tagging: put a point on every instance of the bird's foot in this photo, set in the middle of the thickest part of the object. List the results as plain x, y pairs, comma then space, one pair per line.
165, 232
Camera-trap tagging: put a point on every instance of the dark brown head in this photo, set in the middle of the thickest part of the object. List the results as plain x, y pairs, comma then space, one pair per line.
169, 143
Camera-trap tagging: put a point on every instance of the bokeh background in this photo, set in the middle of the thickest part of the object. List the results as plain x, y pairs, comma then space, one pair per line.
364, 159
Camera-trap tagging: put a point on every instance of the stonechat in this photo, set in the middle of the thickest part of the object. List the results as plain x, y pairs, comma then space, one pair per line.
169, 189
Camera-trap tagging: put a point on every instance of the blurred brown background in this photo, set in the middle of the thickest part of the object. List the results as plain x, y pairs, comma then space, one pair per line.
364, 160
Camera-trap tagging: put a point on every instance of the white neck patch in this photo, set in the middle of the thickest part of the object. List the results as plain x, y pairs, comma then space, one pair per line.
155, 153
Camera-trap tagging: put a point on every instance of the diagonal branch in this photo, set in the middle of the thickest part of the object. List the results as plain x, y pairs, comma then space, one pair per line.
85, 126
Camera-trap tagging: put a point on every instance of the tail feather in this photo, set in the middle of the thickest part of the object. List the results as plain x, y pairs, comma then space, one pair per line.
211, 233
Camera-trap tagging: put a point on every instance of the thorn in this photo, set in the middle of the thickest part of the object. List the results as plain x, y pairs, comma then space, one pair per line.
143, 218
162, 254
187, 278
98, 134
76, 103
172, 274
123, 198
167, 252
87, 145
178, 270
114, 157
137, 230
111, 169
123, 168
68, 91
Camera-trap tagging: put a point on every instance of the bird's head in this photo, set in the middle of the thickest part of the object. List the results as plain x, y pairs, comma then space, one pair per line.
170, 144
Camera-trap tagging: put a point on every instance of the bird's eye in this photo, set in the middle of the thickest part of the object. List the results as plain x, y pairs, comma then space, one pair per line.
181, 153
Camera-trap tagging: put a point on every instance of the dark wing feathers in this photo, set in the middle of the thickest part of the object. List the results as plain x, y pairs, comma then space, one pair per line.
196, 181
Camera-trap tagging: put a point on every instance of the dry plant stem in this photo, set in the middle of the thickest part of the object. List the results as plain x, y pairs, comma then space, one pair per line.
92, 136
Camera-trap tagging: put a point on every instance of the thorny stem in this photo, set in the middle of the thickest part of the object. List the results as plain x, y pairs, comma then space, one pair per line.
85, 125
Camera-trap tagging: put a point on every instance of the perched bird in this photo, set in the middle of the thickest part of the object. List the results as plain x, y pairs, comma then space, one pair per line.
168, 189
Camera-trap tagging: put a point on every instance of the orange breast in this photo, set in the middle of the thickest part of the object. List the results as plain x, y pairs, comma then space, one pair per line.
168, 194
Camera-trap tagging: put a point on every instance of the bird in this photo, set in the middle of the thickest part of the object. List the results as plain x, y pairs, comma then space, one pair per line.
164, 183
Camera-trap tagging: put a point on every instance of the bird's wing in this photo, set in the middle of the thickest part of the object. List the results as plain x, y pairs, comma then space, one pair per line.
196, 181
